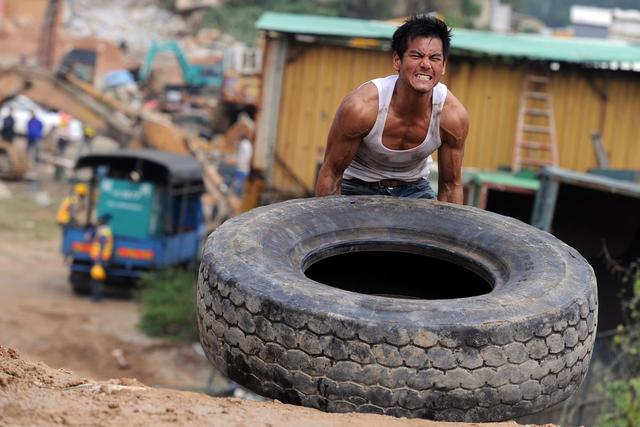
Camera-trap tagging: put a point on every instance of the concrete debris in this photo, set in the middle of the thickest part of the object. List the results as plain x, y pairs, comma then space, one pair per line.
136, 22
118, 354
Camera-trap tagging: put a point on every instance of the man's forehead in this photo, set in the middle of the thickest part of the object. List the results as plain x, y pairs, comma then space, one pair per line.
425, 44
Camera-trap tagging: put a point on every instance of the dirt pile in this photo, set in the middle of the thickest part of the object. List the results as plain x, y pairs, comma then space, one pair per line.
35, 394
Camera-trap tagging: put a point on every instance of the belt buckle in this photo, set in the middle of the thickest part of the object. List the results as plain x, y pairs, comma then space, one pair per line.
389, 183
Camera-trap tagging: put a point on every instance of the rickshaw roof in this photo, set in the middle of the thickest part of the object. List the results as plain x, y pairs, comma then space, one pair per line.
174, 169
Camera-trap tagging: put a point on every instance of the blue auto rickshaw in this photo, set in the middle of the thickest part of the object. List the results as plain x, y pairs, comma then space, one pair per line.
154, 201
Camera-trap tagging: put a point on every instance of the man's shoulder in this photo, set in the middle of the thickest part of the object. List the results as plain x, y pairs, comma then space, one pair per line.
365, 96
453, 110
361, 105
454, 122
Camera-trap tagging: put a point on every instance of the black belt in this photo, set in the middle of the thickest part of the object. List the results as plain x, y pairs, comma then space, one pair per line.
385, 183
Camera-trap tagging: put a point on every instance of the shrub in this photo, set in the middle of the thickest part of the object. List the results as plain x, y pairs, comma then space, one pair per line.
168, 307
623, 396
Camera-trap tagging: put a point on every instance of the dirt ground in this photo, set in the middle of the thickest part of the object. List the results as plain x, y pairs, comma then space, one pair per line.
57, 349
42, 319
35, 394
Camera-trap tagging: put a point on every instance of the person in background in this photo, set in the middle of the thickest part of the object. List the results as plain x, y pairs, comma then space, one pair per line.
71, 205
88, 133
62, 134
243, 164
34, 135
8, 125
100, 253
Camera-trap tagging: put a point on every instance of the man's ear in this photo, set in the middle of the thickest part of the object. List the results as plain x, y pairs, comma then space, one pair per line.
396, 61
444, 66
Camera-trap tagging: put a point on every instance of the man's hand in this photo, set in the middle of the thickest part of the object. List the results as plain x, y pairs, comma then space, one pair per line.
454, 127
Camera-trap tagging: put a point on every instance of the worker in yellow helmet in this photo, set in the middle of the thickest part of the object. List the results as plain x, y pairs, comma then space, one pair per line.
100, 253
71, 205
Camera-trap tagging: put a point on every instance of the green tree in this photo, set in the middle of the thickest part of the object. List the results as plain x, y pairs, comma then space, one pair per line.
469, 8
238, 17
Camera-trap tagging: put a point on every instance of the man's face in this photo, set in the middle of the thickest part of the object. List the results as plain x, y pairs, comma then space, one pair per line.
422, 64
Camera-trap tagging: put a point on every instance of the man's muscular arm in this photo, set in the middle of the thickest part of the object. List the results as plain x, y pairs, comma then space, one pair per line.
454, 127
353, 121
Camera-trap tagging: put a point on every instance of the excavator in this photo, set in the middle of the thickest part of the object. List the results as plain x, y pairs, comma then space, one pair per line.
195, 75
131, 128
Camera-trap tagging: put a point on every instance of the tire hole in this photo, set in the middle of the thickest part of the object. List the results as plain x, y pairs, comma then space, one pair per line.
398, 275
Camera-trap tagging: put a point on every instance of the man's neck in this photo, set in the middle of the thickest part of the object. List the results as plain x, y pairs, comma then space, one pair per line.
409, 102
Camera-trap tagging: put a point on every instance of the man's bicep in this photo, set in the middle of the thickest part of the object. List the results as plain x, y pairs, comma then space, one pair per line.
339, 154
341, 148
454, 130
349, 126
354, 119
351, 123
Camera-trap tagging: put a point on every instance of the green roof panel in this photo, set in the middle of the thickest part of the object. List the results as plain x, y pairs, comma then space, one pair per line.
536, 46
505, 179
324, 25
533, 46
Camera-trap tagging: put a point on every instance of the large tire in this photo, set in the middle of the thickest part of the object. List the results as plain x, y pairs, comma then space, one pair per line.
516, 350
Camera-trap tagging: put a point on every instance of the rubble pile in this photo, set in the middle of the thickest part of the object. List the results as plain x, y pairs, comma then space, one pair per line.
135, 22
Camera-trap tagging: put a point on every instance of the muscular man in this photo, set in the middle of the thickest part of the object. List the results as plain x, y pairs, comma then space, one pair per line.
384, 132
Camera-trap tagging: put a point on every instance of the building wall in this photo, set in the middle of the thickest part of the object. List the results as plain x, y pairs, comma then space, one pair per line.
25, 9
316, 78
491, 94
592, 31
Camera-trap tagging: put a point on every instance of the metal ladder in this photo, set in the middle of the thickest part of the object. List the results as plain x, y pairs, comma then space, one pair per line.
536, 140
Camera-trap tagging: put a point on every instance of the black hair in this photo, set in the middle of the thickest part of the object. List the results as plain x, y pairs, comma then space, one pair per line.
420, 26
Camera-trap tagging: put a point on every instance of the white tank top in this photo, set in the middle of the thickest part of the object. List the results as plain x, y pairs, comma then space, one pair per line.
374, 161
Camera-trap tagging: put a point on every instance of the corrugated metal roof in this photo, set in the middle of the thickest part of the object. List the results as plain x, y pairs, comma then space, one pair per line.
324, 25
533, 46
536, 46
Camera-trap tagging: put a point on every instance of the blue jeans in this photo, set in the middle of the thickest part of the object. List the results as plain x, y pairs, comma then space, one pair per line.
414, 190
96, 287
34, 145
238, 183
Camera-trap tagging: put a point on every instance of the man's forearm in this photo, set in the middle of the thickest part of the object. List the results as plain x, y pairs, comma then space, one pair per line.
451, 193
328, 188
328, 184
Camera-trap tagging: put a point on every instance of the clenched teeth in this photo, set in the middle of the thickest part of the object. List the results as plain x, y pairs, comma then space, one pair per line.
423, 77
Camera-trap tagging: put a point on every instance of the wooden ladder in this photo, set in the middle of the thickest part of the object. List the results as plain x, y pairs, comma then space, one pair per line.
536, 142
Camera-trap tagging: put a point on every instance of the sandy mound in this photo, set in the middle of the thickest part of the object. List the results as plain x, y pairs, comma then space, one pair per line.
35, 394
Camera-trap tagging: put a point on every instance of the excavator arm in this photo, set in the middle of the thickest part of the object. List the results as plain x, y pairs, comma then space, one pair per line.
193, 74
172, 47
